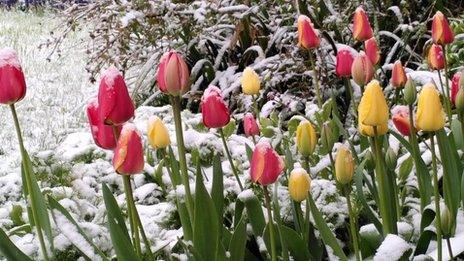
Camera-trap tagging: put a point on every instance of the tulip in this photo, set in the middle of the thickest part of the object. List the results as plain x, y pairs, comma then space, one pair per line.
344, 62
103, 135
430, 115
435, 57
362, 70
306, 138
455, 86
299, 184
344, 166
116, 106
307, 35
158, 134
441, 31
373, 110
213, 108
362, 29
250, 82
372, 50
398, 79
173, 74
128, 155
400, 119
410, 92
250, 126
12, 82
266, 164
460, 100
391, 159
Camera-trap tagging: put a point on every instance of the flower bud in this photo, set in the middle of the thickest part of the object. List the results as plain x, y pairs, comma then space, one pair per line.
370, 160
391, 159
250, 126
344, 63
372, 50
213, 108
410, 91
455, 86
362, 70
307, 35
327, 137
250, 82
373, 111
306, 138
435, 57
344, 166
400, 119
460, 100
398, 79
12, 82
128, 155
103, 135
446, 222
430, 115
299, 184
158, 134
116, 106
266, 164
362, 29
173, 74
441, 31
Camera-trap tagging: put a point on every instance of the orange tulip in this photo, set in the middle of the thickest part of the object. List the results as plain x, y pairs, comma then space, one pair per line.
435, 57
372, 50
398, 79
128, 155
307, 36
400, 118
266, 164
441, 31
362, 70
362, 29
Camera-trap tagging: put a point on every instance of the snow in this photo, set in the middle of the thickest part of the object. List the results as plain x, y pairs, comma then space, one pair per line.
8, 57
392, 248
109, 76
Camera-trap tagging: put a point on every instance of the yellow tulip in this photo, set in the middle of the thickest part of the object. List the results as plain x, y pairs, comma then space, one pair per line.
250, 82
299, 184
306, 138
430, 115
158, 134
344, 166
373, 110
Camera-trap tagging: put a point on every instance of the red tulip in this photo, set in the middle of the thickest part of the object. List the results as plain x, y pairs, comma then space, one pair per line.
128, 155
266, 164
173, 74
103, 135
12, 82
372, 50
250, 126
116, 106
307, 36
362, 70
435, 57
398, 79
455, 86
213, 108
441, 31
361, 27
400, 118
344, 62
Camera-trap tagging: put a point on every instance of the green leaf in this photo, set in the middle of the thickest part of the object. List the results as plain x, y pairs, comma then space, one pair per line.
249, 152
238, 242
268, 132
457, 133
295, 244
370, 241
229, 129
175, 171
255, 213
405, 169
217, 190
158, 175
9, 250
118, 230
16, 215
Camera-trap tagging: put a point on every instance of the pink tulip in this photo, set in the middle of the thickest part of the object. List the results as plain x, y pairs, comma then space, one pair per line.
398, 79
213, 108
344, 63
173, 74
103, 135
372, 50
128, 155
435, 57
455, 86
307, 36
12, 82
400, 118
116, 106
266, 164
441, 30
362, 70
362, 29
250, 126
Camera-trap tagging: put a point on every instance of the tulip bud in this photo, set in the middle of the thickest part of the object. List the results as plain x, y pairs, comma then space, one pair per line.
391, 159
250, 82
430, 115
103, 135
128, 155
362, 70
213, 108
398, 79
250, 126
435, 57
327, 137
307, 35
344, 63
344, 166
372, 50
299, 184
12, 82
173, 74
306, 138
266, 164
370, 161
362, 29
116, 106
441, 31
460, 100
446, 222
455, 85
373, 111
400, 119
158, 134
410, 91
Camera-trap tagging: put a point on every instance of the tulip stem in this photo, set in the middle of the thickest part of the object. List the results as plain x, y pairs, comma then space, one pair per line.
349, 90
255, 106
271, 224
436, 197
450, 250
352, 224
231, 162
28, 184
253, 138
306, 164
446, 98
316, 80
132, 214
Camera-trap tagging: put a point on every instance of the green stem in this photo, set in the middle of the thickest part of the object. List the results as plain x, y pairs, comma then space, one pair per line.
332, 164
306, 164
132, 214
436, 197
271, 224
254, 139
450, 250
255, 106
278, 219
349, 89
353, 225
35, 218
446, 98
231, 162
316, 80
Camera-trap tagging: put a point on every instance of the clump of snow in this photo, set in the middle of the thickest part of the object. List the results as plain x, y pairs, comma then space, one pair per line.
9, 57
392, 248
110, 75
